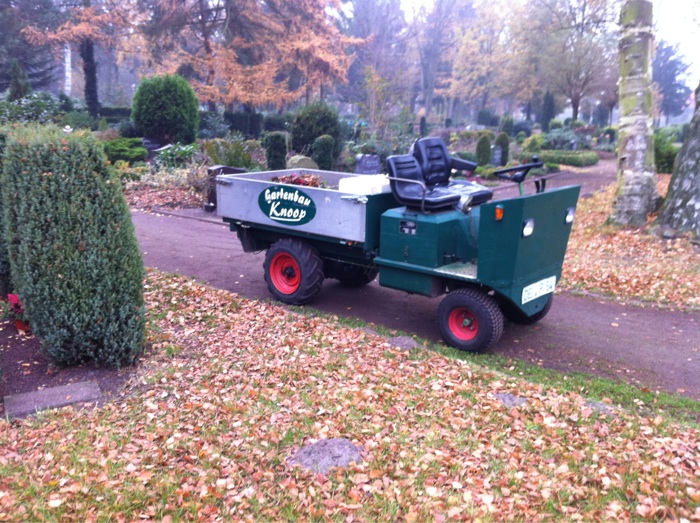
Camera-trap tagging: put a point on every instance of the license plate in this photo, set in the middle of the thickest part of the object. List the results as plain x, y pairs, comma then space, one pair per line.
537, 289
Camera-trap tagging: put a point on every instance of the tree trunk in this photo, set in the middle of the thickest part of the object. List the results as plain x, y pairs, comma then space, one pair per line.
636, 194
87, 54
681, 209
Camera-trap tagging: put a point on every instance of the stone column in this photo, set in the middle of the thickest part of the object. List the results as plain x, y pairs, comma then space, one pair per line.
636, 194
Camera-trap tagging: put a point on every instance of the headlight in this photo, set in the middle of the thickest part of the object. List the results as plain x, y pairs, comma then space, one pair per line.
570, 212
528, 227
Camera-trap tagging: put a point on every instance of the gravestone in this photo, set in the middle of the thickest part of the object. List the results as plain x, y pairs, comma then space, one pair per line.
368, 164
496, 155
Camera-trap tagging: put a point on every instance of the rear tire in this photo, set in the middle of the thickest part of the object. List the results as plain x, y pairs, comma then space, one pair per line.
293, 271
349, 274
514, 315
470, 320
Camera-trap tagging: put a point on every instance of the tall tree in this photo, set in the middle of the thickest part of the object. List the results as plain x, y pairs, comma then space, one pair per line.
669, 69
86, 25
383, 52
636, 193
681, 208
481, 59
252, 52
35, 60
436, 34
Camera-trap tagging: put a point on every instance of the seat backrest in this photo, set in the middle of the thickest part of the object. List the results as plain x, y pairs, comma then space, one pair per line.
434, 160
405, 167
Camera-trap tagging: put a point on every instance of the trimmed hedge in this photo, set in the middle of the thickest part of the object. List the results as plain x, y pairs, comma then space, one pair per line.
572, 158
312, 121
275, 144
5, 285
483, 150
73, 254
322, 152
166, 109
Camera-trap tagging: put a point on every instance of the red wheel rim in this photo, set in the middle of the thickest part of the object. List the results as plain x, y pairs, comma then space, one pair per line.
285, 273
463, 324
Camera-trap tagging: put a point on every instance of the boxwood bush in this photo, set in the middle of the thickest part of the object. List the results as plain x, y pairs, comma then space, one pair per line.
322, 152
313, 121
73, 254
166, 109
4, 259
573, 158
127, 149
483, 150
275, 144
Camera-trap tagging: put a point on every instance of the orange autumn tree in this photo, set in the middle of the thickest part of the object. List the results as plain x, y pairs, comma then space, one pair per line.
253, 52
88, 22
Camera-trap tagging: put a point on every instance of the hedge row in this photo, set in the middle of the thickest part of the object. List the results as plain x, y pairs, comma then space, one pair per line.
74, 259
573, 158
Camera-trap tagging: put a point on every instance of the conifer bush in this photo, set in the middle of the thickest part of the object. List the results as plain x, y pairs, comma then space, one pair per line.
322, 152
166, 109
275, 144
73, 254
4, 259
313, 121
483, 150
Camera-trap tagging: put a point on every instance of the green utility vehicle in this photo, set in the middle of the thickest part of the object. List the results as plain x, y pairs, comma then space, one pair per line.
419, 229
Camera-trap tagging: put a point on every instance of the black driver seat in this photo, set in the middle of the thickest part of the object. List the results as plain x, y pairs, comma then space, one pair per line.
436, 163
411, 189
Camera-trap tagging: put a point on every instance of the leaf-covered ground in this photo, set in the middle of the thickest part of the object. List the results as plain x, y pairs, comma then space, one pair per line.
230, 388
630, 264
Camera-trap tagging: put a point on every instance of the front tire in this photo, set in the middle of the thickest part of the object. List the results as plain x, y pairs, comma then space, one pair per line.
470, 320
293, 271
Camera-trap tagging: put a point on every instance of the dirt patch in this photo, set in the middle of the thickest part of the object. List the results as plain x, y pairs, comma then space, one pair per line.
24, 368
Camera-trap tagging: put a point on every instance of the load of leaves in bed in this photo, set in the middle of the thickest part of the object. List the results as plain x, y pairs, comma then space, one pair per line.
231, 388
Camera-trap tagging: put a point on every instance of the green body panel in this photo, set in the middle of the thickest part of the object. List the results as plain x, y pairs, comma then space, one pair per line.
508, 262
426, 240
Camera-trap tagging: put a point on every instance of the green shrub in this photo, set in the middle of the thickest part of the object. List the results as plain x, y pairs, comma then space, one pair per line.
483, 150
503, 142
245, 122
233, 152
522, 126
559, 139
37, 106
533, 144
322, 152
212, 125
276, 122
664, 150
176, 156
166, 109
312, 121
73, 254
485, 171
520, 137
275, 144
611, 133
573, 158
555, 124
507, 125
127, 149
5, 286
467, 155
78, 120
